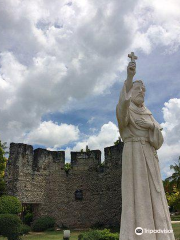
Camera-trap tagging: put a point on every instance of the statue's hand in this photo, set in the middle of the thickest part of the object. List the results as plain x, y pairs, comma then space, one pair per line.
144, 123
131, 69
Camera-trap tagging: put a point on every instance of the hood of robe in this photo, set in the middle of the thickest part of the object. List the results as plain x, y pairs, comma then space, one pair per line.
139, 110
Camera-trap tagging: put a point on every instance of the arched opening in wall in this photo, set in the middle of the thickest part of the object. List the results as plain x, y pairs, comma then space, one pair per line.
28, 213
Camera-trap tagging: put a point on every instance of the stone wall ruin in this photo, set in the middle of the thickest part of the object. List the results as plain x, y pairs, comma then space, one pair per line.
88, 195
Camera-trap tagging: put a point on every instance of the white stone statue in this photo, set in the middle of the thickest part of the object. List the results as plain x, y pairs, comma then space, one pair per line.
144, 204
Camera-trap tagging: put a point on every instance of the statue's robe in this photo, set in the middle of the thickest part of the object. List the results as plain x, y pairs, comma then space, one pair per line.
144, 202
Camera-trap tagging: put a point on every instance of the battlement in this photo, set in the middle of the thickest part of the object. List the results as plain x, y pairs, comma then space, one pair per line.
43, 158
22, 156
85, 160
113, 155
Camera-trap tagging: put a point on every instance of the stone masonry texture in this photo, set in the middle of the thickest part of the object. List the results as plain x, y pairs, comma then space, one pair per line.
38, 177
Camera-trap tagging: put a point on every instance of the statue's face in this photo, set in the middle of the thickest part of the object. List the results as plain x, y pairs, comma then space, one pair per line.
138, 93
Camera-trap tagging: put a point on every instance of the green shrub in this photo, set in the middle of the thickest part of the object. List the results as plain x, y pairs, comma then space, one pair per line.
10, 226
50, 229
24, 229
10, 204
80, 236
43, 224
28, 218
175, 218
99, 235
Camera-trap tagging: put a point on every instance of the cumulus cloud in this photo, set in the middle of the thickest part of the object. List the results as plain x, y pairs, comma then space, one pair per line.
106, 137
170, 151
51, 134
171, 126
157, 24
53, 52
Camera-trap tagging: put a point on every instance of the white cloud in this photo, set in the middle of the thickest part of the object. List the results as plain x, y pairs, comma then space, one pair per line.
171, 126
56, 51
53, 52
170, 151
91, 120
51, 134
108, 134
157, 24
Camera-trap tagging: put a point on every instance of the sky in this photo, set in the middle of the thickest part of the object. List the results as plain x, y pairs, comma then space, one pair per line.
63, 64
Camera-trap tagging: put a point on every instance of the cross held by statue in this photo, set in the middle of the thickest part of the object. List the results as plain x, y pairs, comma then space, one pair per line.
132, 57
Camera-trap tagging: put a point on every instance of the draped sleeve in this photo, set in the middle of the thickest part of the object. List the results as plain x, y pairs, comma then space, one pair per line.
122, 107
155, 135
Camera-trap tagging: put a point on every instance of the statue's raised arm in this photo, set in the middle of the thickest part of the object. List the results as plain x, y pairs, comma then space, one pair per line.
131, 71
125, 95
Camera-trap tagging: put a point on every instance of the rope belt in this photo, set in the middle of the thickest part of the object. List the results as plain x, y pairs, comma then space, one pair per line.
137, 139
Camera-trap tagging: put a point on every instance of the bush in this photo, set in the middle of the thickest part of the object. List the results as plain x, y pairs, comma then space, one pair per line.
43, 224
28, 218
99, 235
10, 226
175, 218
10, 204
50, 229
24, 229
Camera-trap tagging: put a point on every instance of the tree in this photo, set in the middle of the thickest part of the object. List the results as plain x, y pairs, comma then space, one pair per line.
173, 199
168, 186
175, 178
3, 161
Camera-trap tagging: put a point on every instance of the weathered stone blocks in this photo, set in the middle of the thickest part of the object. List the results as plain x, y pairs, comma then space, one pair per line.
38, 178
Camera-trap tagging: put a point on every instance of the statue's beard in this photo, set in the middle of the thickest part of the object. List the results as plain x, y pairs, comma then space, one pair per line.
138, 100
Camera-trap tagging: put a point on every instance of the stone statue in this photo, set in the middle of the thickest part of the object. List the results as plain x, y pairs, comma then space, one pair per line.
144, 204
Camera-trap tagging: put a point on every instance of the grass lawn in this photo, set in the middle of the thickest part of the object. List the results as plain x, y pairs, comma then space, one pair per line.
74, 235
48, 236
176, 228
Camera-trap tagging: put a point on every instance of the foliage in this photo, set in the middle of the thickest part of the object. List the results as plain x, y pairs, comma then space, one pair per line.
10, 204
3, 161
24, 229
50, 229
2, 186
175, 178
43, 224
99, 235
67, 167
175, 218
28, 218
117, 142
174, 199
172, 187
10, 226
168, 186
